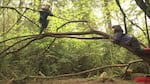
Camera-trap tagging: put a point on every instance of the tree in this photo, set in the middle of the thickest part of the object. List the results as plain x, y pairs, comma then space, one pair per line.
25, 21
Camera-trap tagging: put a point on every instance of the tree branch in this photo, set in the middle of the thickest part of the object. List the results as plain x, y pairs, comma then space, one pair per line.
13, 8
147, 31
21, 47
56, 35
76, 35
13, 45
87, 71
69, 23
14, 24
124, 15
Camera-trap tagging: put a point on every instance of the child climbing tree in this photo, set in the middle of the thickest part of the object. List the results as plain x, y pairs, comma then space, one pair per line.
89, 32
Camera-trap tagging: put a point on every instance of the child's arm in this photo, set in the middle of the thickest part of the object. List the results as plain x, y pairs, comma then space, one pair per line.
50, 13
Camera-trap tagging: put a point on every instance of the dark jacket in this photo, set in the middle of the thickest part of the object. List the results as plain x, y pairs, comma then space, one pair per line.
128, 40
119, 37
44, 14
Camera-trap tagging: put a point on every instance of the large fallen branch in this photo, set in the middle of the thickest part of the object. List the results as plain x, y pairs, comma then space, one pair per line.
87, 71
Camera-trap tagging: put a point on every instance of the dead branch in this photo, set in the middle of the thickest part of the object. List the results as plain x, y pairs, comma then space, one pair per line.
5, 50
21, 47
70, 22
14, 24
13, 8
87, 71
27, 8
56, 35
124, 15
59, 34
15, 38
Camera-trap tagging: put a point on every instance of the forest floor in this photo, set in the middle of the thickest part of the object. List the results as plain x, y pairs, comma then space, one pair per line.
69, 81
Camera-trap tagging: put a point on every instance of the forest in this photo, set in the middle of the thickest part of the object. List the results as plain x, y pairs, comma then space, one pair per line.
76, 43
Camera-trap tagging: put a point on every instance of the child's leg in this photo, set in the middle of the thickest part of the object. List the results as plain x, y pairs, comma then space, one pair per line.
41, 29
44, 25
46, 29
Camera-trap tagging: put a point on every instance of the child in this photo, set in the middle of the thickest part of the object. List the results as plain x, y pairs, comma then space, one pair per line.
120, 37
44, 13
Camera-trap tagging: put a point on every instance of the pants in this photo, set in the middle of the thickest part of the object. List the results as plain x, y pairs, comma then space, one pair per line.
44, 25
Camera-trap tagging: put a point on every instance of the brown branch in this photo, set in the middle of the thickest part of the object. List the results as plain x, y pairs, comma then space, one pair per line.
14, 24
70, 22
83, 72
136, 26
87, 71
13, 8
13, 45
78, 35
129, 64
56, 35
16, 38
70, 33
124, 15
21, 47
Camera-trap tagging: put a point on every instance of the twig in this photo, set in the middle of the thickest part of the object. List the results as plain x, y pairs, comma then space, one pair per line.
13, 8
21, 47
13, 45
70, 22
136, 26
62, 18
143, 6
124, 15
14, 24
16, 38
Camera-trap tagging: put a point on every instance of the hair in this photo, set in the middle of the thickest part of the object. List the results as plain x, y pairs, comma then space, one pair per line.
47, 4
117, 28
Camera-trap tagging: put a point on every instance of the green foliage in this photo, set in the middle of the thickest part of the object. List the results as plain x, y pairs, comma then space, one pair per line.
64, 55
